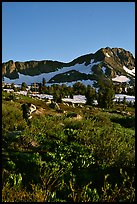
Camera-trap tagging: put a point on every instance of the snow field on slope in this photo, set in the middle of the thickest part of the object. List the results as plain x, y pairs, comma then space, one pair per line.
121, 79
82, 68
132, 72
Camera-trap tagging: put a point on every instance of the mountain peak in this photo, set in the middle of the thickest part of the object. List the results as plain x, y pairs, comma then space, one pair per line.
105, 64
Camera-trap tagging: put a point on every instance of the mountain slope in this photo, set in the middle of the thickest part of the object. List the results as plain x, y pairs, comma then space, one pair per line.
115, 64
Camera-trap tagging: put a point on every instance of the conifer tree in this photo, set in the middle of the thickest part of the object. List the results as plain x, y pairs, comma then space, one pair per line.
43, 82
106, 96
90, 95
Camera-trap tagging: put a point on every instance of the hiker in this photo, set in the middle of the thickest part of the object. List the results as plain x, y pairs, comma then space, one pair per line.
28, 108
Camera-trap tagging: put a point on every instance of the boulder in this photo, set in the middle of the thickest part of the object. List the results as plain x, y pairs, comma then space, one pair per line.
54, 105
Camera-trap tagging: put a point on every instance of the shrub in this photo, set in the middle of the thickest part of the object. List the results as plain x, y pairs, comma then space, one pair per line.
73, 161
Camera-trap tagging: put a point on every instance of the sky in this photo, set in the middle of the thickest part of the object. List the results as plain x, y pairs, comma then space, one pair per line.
63, 31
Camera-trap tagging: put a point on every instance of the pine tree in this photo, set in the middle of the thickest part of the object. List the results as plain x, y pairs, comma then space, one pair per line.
57, 96
40, 87
124, 103
90, 95
23, 86
106, 96
43, 82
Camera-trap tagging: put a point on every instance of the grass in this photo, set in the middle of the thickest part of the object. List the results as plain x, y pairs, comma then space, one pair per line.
59, 158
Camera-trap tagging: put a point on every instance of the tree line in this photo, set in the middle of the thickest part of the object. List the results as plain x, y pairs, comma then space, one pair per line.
104, 93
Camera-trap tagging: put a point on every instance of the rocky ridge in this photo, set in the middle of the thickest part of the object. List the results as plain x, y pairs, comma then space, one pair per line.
104, 64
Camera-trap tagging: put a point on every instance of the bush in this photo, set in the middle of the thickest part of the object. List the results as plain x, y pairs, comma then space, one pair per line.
72, 161
71, 114
12, 118
127, 122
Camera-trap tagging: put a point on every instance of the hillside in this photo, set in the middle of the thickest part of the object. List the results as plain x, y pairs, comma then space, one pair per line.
113, 64
69, 155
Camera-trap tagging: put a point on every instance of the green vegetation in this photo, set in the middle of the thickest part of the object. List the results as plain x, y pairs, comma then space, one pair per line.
23, 86
61, 157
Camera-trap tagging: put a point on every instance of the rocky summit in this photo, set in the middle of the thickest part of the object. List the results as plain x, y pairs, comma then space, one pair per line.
114, 64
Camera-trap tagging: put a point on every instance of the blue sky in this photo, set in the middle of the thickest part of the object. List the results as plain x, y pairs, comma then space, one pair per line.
63, 31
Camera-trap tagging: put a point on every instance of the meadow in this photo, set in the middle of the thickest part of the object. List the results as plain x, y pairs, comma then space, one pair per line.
73, 155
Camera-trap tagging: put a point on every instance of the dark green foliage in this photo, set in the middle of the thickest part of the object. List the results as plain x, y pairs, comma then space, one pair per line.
131, 91
23, 86
43, 82
63, 159
69, 77
90, 95
106, 96
57, 96
11, 119
12, 85
79, 88
124, 103
127, 121
40, 88
71, 114
11, 97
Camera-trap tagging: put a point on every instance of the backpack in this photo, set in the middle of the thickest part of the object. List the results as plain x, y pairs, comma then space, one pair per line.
26, 111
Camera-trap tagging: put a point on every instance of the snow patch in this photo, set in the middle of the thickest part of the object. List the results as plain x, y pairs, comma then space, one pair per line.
107, 54
121, 79
132, 72
76, 99
92, 60
42, 96
104, 69
22, 93
119, 50
38, 78
128, 97
8, 90
85, 82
